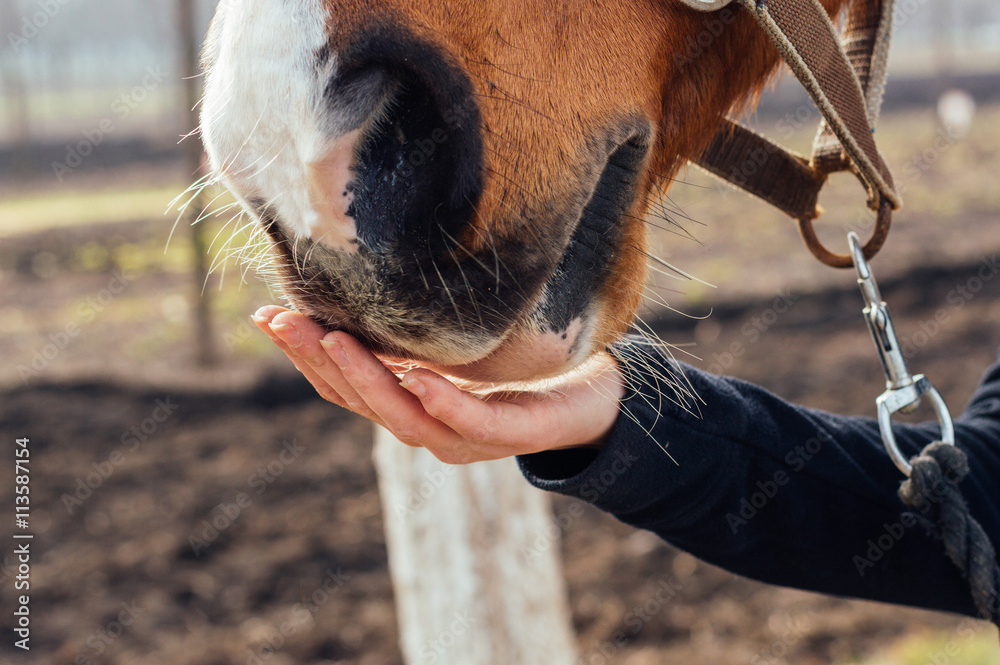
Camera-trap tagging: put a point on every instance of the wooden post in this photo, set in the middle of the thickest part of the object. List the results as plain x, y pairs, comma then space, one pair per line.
205, 351
15, 90
474, 557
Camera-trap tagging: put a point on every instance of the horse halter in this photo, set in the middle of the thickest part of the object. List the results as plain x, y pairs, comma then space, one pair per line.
845, 76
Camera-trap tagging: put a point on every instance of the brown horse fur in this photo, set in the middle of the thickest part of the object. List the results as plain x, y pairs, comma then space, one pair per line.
547, 76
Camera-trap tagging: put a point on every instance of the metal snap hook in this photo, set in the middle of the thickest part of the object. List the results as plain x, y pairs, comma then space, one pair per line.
903, 392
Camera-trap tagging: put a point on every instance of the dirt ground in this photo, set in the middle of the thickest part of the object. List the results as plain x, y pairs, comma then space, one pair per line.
121, 503
138, 457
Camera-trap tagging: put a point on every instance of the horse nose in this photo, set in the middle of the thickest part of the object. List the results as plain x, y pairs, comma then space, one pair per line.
414, 166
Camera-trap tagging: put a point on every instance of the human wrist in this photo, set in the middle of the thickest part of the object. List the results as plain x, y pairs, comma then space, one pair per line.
602, 389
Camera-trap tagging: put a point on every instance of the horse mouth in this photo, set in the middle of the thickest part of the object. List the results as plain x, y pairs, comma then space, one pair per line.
508, 312
394, 213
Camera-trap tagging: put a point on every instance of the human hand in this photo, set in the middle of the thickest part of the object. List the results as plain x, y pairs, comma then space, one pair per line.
424, 409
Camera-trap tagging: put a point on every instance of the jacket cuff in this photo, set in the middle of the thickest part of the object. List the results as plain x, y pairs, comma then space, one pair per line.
613, 478
618, 477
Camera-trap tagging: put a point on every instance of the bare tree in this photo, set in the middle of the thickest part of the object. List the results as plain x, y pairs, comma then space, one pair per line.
15, 90
194, 151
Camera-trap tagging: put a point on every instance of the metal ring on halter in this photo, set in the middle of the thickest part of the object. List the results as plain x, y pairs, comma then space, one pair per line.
706, 5
871, 248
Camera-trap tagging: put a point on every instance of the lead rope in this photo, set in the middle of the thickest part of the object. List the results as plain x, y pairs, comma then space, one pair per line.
846, 80
934, 475
933, 482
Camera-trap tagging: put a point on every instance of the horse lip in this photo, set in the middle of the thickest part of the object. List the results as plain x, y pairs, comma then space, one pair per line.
589, 255
568, 289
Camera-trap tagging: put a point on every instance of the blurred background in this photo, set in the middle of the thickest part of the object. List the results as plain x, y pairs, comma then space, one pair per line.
191, 496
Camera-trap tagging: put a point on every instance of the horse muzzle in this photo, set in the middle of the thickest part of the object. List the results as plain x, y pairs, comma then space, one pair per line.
366, 158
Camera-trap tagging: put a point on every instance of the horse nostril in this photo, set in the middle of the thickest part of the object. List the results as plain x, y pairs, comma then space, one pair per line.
416, 176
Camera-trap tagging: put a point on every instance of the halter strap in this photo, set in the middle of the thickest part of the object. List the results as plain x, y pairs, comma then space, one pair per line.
846, 79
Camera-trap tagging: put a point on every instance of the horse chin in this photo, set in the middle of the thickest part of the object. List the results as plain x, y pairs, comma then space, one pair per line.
527, 357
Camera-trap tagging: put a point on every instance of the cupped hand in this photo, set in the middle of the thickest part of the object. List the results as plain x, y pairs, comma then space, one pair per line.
422, 408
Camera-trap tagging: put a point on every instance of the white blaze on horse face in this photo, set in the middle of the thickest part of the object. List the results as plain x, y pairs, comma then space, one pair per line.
265, 124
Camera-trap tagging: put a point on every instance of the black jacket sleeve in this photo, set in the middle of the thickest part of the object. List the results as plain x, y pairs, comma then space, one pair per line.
773, 491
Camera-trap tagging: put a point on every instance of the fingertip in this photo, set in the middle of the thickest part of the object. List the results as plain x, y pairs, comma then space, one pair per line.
332, 338
289, 334
285, 317
266, 313
335, 349
429, 387
349, 350
263, 324
414, 385
339, 337
425, 375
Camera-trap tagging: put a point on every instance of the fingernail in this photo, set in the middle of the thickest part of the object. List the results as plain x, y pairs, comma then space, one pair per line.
256, 318
336, 351
262, 313
415, 386
288, 334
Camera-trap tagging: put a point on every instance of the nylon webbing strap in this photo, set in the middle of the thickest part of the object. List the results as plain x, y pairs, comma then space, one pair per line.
867, 35
764, 169
846, 83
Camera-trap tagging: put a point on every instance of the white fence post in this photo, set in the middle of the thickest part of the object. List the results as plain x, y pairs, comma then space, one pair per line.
474, 557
